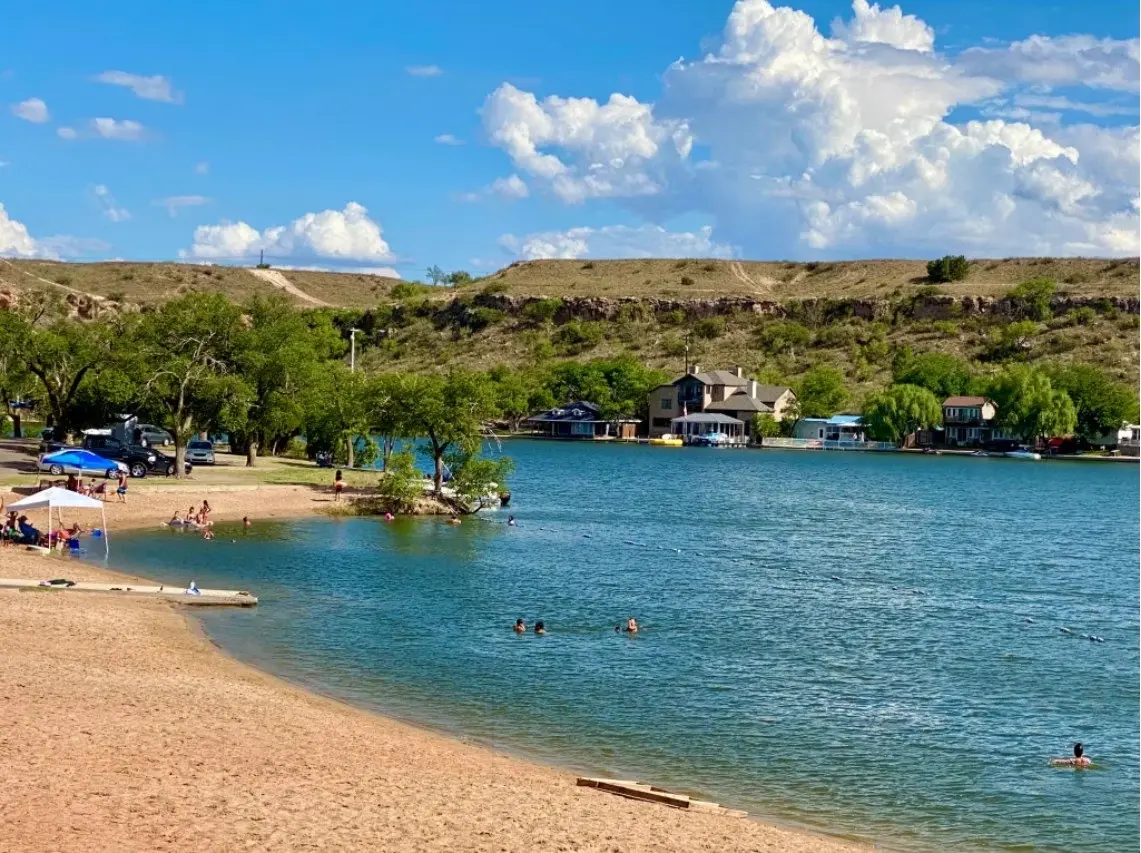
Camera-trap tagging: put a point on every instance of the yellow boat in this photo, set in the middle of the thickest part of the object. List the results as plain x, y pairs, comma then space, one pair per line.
666, 441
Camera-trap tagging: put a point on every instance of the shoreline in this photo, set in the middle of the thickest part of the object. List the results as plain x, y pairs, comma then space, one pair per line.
498, 801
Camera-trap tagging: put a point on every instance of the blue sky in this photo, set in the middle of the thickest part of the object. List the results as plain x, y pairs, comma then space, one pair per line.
984, 127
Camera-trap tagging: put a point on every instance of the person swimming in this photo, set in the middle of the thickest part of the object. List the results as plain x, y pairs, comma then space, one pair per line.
388, 516
540, 628
1080, 759
510, 521
209, 534
454, 520
631, 625
520, 627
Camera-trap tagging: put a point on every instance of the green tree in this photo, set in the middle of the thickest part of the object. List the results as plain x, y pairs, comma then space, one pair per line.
1012, 341
948, 268
764, 426
896, 413
1033, 297
784, 336
61, 356
475, 476
820, 393
436, 275
338, 413
402, 483
280, 355
16, 383
450, 411
1029, 406
458, 277
942, 374
514, 390
389, 400
183, 356
1101, 404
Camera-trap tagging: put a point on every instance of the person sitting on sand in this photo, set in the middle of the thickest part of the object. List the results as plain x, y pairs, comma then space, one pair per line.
1079, 759
540, 629
175, 520
631, 625
520, 627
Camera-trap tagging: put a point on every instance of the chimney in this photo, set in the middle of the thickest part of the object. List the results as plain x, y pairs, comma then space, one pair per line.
752, 389
695, 369
739, 372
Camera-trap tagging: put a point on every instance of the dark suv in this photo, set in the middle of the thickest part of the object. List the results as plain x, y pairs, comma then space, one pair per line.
140, 460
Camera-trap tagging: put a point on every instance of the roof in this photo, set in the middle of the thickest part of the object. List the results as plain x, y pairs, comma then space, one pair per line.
55, 496
707, 418
715, 377
580, 411
771, 393
740, 402
836, 420
965, 401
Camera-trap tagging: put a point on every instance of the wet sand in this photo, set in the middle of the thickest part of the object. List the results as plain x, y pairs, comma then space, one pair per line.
125, 729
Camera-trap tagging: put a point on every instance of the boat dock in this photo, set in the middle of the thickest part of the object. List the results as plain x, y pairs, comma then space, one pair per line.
179, 595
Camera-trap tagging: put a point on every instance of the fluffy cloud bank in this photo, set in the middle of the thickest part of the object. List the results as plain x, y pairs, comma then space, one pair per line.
616, 241
33, 110
15, 241
153, 88
867, 140
335, 237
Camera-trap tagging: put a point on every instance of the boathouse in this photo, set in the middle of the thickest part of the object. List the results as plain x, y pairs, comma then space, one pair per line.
581, 420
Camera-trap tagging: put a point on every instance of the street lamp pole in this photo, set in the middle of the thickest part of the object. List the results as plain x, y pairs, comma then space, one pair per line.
353, 350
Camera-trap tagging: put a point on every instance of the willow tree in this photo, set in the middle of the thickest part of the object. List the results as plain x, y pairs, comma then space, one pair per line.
896, 413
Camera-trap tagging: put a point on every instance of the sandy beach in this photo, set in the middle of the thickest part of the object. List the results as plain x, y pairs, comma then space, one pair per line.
125, 729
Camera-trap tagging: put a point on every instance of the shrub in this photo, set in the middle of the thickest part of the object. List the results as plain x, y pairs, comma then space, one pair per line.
672, 318
579, 336
784, 336
1083, 316
948, 268
478, 319
673, 345
686, 280
589, 265
1032, 298
946, 328
709, 328
494, 287
838, 335
406, 289
402, 483
542, 310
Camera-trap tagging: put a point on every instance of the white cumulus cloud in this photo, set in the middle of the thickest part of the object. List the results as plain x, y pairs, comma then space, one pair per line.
33, 110
336, 236
797, 143
153, 88
124, 131
616, 241
15, 241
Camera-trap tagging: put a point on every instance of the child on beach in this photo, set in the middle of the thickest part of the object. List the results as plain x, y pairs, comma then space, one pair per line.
204, 515
121, 491
338, 485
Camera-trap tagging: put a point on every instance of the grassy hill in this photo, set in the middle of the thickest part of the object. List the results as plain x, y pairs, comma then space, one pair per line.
774, 318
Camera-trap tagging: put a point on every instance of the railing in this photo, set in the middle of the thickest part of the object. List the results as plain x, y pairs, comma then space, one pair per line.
821, 444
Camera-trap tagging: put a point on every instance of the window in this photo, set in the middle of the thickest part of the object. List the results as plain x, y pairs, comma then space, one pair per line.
662, 422
667, 403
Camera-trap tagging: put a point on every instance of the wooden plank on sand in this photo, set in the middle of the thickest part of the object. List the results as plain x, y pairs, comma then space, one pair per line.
649, 793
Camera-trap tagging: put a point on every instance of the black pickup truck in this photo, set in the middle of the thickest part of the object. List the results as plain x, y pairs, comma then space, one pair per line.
140, 460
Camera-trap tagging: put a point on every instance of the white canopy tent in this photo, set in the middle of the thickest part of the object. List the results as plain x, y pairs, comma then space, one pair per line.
55, 497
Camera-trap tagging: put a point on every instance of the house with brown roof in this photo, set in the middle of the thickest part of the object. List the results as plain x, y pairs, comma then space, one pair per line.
722, 392
969, 421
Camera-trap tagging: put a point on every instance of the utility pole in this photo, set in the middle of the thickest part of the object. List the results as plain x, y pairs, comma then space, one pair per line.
685, 370
353, 350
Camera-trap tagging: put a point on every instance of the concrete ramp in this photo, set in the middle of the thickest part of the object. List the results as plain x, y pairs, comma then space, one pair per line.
178, 595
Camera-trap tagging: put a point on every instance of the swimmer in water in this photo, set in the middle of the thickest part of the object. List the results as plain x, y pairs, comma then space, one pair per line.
520, 627
388, 516
631, 625
539, 629
1079, 759
246, 521
209, 534
454, 520
510, 521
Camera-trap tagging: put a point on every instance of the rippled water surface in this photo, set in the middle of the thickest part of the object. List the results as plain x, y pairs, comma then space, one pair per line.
864, 644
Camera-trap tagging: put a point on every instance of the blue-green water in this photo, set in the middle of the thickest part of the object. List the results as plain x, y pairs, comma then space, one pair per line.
840, 640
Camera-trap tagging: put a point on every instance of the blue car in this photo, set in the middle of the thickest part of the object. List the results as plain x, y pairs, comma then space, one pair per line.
83, 463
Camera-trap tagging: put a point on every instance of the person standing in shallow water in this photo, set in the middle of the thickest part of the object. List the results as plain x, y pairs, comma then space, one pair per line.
520, 627
338, 485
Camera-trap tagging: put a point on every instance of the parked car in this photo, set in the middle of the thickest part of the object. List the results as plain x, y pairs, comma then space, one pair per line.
83, 463
200, 452
155, 436
140, 460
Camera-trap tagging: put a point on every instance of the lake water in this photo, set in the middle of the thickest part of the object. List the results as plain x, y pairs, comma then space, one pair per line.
864, 644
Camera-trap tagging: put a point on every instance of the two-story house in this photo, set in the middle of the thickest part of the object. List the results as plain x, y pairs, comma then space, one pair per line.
969, 421
725, 392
